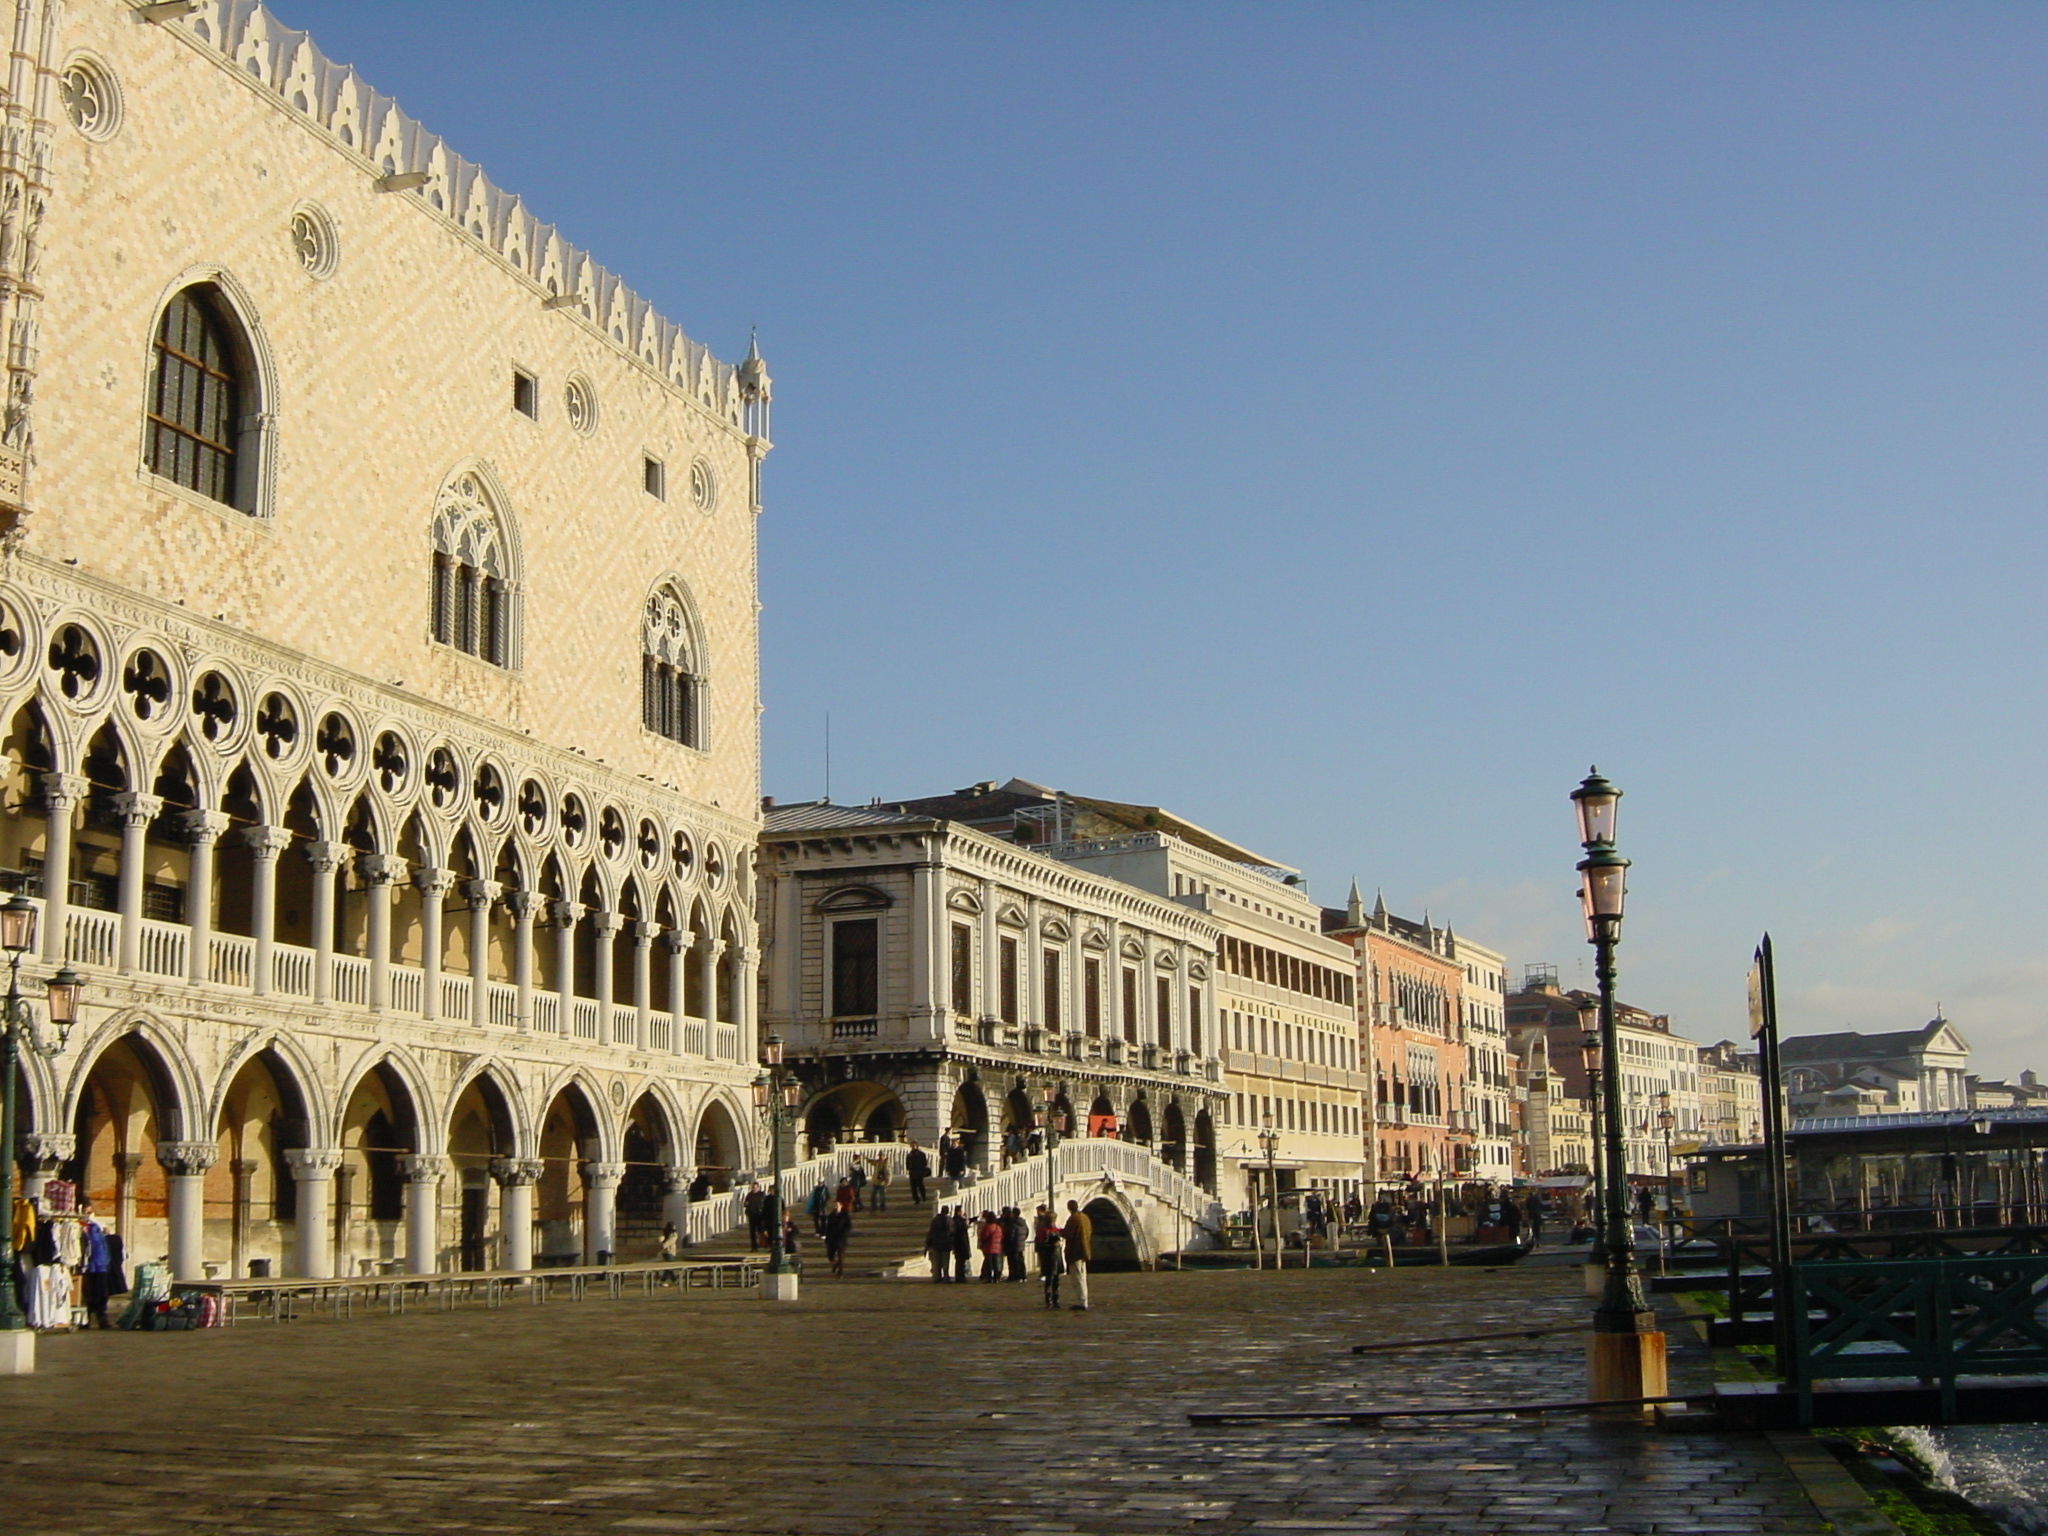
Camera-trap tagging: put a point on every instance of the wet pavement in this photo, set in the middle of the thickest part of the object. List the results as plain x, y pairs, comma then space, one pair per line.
898, 1408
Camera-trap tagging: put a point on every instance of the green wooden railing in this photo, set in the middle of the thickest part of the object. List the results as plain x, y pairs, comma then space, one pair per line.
1930, 1320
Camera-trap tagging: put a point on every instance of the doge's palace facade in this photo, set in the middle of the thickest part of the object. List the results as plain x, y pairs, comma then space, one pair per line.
379, 668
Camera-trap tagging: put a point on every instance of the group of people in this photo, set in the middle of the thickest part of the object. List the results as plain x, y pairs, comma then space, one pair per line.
1063, 1249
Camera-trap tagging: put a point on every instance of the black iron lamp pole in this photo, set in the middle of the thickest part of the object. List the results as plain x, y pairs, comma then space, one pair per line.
1269, 1142
1665, 1121
18, 936
775, 1090
1049, 1124
1624, 1308
1590, 1055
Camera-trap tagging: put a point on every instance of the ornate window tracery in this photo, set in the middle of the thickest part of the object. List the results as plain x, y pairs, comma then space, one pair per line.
671, 674
474, 593
198, 397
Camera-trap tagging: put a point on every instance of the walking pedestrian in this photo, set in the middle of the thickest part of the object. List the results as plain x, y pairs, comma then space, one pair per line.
1079, 1234
1051, 1244
838, 1229
666, 1249
990, 1241
946, 1155
917, 1166
755, 1204
857, 1176
1015, 1235
1535, 1215
955, 1160
842, 1197
878, 1185
963, 1244
938, 1244
817, 1205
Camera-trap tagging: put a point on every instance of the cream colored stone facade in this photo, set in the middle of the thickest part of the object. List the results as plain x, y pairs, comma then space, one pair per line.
391, 953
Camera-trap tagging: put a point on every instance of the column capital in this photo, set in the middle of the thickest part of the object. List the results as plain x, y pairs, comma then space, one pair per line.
512, 1171
741, 953
312, 1164
137, 809
243, 1167
522, 904
604, 1175
433, 880
423, 1167
677, 1177
482, 893
267, 842
186, 1157
676, 940
565, 914
380, 868
46, 1148
325, 856
708, 945
643, 932
203, 827
61, 791
606, 922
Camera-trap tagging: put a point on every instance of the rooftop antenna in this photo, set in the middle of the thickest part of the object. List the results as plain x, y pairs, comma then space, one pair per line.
828, 757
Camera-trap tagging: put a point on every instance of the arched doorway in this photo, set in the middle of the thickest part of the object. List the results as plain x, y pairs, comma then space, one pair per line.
250, 1191
718, 1146
569, 1139
1205, 1151
479, 1133
969, 1123
643, 1192
1102, 1117
1139, 1128
379, 1126
126, 1107
859, 1111
1116, 1247
1173, 1143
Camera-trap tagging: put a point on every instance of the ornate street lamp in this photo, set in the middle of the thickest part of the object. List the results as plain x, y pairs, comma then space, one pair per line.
776, 1094
1625, 1357
1048, 1122
1269, 1143
18, 1029
1665, 1121
1596, 1211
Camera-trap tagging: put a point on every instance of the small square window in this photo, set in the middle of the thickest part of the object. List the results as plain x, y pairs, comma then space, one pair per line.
525, 394
654, 477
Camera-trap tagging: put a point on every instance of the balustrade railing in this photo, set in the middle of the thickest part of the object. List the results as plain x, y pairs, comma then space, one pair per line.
547, 1013
455, 997
408, 989
625, 1024
694, 1042
230, 961
91, 938
351, 980
661, 1031
583, 1019
291, 971
501, 1004
164, 948
728, 1043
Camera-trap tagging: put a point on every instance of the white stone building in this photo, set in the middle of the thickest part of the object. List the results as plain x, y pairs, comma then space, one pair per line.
1851, 1073
378, 657
929, 978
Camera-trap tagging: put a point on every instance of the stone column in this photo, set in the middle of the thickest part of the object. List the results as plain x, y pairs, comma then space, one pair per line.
204, 829
185, 1164
606, 926
423, 1173
325, 859
516, 1178
265, 844
42, 1154
564, 919
433, 885
61, 794
126, 1166
675, 1203
522, 905
380, 871
643, 983
481, 894
600, 1211
677, 942
313, 1241
136, 811
744, 1002
707, 972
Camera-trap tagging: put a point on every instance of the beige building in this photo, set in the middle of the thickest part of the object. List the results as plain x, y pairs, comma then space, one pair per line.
1285, 996
378, 650
1731, 1096
933, 980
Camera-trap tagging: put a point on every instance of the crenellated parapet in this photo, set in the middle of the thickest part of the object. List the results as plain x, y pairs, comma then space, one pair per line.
412, 162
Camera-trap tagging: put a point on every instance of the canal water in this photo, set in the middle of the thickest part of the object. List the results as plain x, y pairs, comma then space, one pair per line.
2001, 1468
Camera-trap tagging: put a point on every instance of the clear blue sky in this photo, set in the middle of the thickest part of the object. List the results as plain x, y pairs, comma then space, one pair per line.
1343, 423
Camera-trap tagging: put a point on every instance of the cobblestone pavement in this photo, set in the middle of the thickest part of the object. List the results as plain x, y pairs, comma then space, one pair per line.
898, 1408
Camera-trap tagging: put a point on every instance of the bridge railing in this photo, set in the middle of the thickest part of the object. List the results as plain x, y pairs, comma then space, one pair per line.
1928, 1319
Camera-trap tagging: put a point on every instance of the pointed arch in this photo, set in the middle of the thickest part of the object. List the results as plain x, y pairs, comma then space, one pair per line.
398, 1067
212, 396
294, 1070
673, 671
475, 604
173, 1080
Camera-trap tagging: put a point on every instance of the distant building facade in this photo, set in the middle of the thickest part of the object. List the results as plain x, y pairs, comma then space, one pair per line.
1901, 1072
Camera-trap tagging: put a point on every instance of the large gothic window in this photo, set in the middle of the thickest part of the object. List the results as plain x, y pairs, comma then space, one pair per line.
671, 678
199, 396
474, 592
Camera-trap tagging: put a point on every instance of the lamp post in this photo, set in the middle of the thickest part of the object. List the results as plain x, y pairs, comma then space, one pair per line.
18, 1028
776, 1090
1665, 1121
1269, 1143
1049, 1124
1589, 1054
1625, 1355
